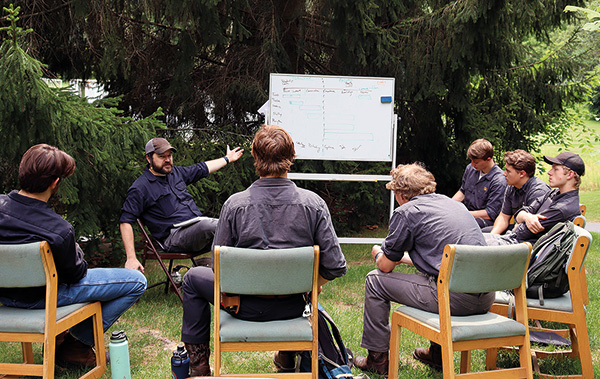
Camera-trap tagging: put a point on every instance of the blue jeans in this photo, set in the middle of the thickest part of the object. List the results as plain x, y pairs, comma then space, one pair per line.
116, 289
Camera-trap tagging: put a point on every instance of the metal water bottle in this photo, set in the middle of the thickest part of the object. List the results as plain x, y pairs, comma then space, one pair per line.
119, 355
180, 363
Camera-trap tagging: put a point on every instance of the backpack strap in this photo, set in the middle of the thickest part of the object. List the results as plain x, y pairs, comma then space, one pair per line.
335, 333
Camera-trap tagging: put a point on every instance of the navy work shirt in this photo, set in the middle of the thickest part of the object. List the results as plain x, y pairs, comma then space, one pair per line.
424, 225
516, 198
161, 201
555, 206
485, 193
23, 220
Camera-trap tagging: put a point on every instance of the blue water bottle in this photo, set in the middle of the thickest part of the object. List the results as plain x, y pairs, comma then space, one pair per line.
180, 363
119, 356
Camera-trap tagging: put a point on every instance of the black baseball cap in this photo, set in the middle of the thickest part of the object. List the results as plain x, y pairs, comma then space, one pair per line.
158, 146
568, 159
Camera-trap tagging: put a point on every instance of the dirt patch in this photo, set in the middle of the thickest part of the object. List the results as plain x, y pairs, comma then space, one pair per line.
167, 344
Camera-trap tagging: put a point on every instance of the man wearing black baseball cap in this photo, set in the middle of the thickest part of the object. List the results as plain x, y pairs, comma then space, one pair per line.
159, 197
558, 205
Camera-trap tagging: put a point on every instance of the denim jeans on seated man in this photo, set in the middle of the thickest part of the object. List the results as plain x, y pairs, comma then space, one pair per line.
116, 288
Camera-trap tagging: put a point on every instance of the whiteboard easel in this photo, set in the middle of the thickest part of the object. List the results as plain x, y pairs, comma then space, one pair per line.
337, 118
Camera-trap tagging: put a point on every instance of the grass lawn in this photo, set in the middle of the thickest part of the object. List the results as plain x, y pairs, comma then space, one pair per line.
153, 325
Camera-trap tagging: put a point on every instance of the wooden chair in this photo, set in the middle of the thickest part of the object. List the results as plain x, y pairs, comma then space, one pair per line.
266, 272
32, 265
568, 309
472, 269
152, 249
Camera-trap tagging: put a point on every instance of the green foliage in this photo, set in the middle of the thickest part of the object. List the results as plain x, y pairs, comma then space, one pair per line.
103, 142
592, 16
463, 70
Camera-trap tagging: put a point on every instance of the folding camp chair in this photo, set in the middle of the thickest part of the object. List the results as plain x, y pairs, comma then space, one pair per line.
152, 249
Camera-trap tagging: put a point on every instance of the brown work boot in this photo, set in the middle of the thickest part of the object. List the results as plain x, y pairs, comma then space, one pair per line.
199, 354
431, 356
376, 362
73, 353
285, 361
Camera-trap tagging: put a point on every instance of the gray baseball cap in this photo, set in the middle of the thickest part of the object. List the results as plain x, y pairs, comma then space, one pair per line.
158, 145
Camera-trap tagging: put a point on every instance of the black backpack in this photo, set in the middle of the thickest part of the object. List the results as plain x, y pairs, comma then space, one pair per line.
334, 359
547, 276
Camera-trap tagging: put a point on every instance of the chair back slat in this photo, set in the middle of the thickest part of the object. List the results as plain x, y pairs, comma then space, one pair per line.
580, 221
250, 271
22, 266
488, 268
580, 232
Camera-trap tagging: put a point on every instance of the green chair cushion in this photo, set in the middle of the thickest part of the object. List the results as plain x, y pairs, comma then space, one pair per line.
466, 328
236, 330
562, 303
250, 271
21, 320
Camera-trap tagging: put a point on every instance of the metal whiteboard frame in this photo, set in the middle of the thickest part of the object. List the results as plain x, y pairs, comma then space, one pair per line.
356, 178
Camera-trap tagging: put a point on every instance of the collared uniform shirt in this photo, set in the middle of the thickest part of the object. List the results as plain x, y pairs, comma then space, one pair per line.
485, 193
273, 213
424, 225
516, 198
555, 206
161, 201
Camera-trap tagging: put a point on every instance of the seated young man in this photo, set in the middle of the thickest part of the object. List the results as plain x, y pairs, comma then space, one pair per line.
422, 225
523, 187
25, 216
482, 186
271, 214
558, 205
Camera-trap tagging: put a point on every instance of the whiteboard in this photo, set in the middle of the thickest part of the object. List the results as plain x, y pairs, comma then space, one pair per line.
335, 117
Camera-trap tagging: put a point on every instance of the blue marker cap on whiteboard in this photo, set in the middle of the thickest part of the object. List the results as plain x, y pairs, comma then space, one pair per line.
386, 99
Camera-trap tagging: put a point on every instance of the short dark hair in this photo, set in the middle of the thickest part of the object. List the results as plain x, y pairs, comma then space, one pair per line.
41, 165
273, 151
521, 161
480, 149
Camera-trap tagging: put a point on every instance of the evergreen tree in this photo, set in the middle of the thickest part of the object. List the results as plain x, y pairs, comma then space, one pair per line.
463, 69
107, 146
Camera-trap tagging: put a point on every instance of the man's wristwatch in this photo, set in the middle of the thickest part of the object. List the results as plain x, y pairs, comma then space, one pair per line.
377, 255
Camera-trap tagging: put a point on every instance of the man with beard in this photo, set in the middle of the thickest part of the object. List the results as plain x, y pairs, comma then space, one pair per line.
159, 197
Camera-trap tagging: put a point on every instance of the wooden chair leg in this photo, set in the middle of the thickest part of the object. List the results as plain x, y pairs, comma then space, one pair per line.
465, 361
491, 359
27, 348
394, 361
49, 356
580, 342
447, 362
